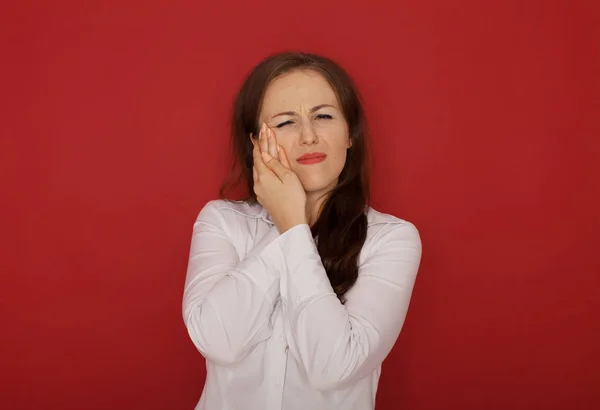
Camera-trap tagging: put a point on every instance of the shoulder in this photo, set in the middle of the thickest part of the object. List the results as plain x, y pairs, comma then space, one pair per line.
389, 230
227, 215
226, 207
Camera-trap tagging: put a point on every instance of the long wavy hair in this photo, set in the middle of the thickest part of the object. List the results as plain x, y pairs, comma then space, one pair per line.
341, 227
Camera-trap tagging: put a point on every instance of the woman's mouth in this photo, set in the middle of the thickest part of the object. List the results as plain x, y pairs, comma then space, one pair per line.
312, 158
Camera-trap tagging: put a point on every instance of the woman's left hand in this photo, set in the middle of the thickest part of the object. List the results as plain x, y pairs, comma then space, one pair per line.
276, 186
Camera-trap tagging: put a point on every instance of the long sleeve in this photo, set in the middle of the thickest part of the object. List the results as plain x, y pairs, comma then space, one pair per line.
338, 344
227, 303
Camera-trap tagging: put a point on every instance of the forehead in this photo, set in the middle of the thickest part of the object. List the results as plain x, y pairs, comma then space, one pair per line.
298, 89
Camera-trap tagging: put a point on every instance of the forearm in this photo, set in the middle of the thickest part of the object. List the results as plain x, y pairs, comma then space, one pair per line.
339, 344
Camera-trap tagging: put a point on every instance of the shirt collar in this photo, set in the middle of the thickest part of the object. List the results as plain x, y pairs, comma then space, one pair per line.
266, 216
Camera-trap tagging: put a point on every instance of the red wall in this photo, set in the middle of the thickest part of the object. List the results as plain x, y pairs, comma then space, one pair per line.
486, 130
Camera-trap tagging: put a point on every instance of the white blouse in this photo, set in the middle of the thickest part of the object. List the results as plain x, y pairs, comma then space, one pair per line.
259, 307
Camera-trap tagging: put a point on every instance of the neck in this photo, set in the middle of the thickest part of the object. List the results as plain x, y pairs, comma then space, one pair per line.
314, 200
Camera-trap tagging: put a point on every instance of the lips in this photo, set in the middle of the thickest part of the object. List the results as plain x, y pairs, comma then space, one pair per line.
312, 158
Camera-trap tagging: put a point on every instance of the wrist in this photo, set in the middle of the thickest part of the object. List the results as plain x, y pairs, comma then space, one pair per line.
289, 224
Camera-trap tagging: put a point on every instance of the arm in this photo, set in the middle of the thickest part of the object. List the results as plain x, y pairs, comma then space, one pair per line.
227, 303
340, 344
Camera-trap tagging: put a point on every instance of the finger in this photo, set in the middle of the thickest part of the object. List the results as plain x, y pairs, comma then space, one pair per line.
259, 164
262, 139
275, 166
272, 143
283, 157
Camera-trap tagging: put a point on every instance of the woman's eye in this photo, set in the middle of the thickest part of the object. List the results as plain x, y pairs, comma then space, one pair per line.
324, 116
283, 124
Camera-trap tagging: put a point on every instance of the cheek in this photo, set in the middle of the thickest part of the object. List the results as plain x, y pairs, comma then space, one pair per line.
287, 147
340, 147
339, 160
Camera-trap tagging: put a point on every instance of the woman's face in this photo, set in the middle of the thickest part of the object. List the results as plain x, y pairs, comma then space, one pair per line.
303, 111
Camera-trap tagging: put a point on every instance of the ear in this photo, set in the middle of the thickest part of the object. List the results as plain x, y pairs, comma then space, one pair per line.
349, 144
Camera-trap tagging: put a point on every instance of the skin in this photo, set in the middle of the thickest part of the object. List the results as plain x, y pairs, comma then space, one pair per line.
300, 114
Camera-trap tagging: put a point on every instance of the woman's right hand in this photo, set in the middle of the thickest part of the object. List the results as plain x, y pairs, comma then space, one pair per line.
270, 145
276, 186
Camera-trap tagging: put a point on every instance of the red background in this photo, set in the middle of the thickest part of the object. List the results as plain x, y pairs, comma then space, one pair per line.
485, 119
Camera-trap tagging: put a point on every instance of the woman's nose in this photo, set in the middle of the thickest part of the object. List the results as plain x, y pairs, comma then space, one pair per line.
307, 134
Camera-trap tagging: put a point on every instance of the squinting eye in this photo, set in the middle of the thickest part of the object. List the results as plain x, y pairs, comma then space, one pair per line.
283, 124
324, 116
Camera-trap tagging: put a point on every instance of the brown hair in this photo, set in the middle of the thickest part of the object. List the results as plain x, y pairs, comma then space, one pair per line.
341, 227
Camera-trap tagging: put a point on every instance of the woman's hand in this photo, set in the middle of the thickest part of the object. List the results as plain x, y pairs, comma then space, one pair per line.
276, 186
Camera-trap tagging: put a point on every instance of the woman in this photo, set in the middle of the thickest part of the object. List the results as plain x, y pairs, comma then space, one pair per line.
296, 294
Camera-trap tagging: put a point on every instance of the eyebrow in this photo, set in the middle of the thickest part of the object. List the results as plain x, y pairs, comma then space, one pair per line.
313, 109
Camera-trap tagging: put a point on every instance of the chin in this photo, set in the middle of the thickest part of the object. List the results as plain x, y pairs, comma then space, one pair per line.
313, 186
